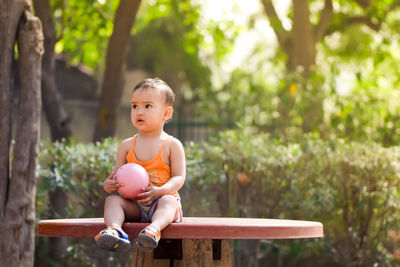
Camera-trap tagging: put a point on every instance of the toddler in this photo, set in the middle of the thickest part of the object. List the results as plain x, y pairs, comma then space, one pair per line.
163, 158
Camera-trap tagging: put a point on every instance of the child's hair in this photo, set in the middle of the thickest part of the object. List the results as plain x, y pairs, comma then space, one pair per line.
159, 84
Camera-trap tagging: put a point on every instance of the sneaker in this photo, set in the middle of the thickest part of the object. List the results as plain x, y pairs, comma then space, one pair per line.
148, 238
113, 238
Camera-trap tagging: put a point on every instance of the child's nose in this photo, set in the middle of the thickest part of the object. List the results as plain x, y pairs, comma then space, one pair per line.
140, 111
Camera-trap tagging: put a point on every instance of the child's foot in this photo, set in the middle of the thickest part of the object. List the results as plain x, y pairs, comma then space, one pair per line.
148, 238
113, 238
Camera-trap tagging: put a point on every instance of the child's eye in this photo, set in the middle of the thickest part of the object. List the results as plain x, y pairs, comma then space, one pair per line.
148, 106
134, 106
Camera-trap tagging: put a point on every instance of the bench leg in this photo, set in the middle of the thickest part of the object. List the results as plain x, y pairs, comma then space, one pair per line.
225, 259
194, 253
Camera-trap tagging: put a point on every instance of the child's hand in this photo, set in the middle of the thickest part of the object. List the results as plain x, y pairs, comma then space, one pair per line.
151, 194
110, 185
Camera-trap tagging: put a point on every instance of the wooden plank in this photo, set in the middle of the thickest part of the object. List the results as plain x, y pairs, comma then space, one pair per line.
192, 228
196, 253
196, 234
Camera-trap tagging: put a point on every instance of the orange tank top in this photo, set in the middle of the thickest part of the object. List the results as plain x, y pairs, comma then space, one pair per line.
159, 172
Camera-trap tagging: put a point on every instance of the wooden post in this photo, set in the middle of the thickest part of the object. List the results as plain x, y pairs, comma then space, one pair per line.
225, 254
194, 253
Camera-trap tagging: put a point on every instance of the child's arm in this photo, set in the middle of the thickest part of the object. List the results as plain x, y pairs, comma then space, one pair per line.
178, 174
109, 184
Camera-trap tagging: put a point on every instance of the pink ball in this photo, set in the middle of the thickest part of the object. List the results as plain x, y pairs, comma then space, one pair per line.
134, 177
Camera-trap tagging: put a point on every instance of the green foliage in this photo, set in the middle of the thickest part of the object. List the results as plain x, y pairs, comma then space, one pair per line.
368, 108
289, 106
84, 28
362, 107
78, 170
174, 47
286, 107
351, 188
239, 101
365, 106
168, 37
172, 42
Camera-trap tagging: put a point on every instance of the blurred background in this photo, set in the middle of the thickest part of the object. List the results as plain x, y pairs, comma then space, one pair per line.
287, 109
328, 68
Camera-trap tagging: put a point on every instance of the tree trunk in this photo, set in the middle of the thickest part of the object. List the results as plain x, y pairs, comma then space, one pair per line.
10, 13
303, 43
56, 116
18, 211
57, 119
304, 54
112, 86
299, 46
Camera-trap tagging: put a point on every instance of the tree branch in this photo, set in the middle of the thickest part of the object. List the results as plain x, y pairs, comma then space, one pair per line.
364, 3
102, 12
63, 22
324, 21
275, 22
393, 6
345, 20
348, 21
364, 20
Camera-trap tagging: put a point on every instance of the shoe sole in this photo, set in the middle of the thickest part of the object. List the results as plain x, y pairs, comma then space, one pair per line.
146, 243
112, 243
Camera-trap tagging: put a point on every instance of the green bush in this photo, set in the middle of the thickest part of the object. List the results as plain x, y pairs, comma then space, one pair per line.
352, 188
76, 171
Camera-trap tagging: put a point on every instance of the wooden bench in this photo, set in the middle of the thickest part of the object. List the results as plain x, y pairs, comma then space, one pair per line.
197, 241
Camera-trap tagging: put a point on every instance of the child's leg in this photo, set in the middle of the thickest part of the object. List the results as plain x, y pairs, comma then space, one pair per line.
118, 209
166, 211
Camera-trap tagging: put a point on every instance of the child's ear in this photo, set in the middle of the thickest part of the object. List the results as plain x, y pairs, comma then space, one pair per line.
168, 113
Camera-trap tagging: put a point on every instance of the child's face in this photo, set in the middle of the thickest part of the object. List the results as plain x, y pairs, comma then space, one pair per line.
149, 111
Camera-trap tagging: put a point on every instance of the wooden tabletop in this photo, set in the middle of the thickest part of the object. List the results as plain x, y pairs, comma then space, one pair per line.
192, 228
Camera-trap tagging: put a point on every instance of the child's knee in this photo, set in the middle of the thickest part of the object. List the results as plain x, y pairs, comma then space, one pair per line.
169, 200
171, 204
113, 199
